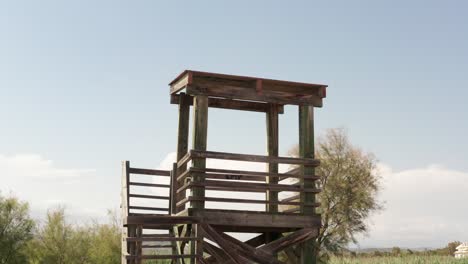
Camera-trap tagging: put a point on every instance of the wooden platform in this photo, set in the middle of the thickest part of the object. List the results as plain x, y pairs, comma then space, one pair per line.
251, 221
235, 87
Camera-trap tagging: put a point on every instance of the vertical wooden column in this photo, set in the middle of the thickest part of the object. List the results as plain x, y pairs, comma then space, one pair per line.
306, 150
182, 144
132, 232
173, 190
272, 149
124, 208
200, 129
139, 244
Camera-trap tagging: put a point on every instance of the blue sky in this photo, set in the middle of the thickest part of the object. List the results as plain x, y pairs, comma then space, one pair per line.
84, 84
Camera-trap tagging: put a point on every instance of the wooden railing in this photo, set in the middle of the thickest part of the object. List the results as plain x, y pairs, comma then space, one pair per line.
146, 193
226, 180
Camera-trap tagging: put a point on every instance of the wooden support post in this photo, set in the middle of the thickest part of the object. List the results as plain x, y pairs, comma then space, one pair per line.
124, 207
132, 245
200, 127
173, 190
139, 244
182, 141
176, 249
306, 150
272, 148
272, 167
199, 243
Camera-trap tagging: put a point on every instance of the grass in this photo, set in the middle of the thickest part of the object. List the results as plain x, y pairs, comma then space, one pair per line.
399, 260
378, 260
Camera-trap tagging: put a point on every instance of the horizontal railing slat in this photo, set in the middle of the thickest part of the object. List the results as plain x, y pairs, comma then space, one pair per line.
252, 158
148, 208
251, 201
148, 196
149, 172
161, 256
159, 239
149, 184
254, 187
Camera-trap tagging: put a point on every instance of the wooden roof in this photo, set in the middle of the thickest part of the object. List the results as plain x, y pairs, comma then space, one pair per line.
247, 88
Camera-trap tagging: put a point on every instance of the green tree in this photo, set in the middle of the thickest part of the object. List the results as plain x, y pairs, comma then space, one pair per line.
58, 242
350, 183
15, 230
106, 241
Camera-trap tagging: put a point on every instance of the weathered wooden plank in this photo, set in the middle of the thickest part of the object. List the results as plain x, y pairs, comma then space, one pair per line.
200, 129
148, 208
182, 176
291, 239
197, 154
256, 89
199, 234
250, 201
256, 241
243, 173
231, 104
172, 191
149, 172
269, 96
160, 239
272, 150
139, 249
248, 81
251, 186
184, 160
156, 220
157, 246
176, 249
180, 82
306, 150
149, 184
257, 255
291, 198
125, 200
167, 256
233, 218
216, 253
224, 245
292, 210
184, 102
148, 196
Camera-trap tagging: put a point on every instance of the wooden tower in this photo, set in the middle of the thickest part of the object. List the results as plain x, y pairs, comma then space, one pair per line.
285, 227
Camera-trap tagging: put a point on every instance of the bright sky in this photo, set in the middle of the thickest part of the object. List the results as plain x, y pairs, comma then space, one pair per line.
83, 85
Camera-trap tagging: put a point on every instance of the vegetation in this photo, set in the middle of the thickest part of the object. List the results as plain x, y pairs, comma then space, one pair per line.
56, 241
15, 230
409, 259
349, 183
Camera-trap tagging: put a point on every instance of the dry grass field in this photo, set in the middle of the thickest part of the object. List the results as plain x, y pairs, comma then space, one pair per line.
400, 260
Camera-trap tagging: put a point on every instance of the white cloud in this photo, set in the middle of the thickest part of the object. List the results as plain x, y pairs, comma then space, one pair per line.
423, 207
32, 166
39, 181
